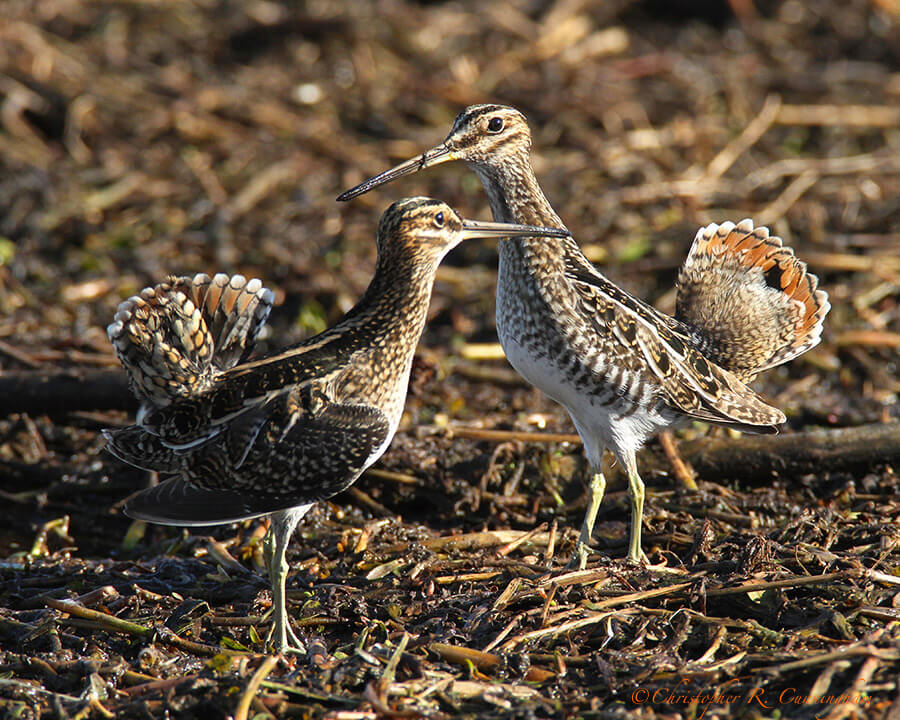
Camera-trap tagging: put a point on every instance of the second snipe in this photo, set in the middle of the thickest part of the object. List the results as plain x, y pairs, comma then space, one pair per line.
623, 370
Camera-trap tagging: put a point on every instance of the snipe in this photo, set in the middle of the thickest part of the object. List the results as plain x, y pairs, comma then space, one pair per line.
623, 370
273, 435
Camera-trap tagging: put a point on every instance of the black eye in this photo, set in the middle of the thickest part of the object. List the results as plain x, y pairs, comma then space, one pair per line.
439, 220
495, 124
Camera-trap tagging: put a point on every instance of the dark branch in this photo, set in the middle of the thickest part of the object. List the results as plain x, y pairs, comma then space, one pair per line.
58, 393
761, 458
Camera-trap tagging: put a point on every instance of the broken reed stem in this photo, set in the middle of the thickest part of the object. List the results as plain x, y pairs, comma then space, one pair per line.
577, 577
778, 208
551, 543
115, 624
864, 649
166, 684
242, 621
509, 547
170, 637
393, 476
864, 573
591, 619
684, 473
602, 608
390, 670
751, 134
481, 540
757, 458
510, 435
262, 672
483, 661
110, 622
43, 392
868, 338
775, 584
467, 577
774, 172
839, 115
754, 457
854, 574
486, 662
711, 651
218, 552
847, 165
847, 262
638, 596
482, 351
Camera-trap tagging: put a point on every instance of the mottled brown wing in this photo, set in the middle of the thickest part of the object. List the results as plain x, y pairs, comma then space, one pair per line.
703, 390
646, 338
137, 447
295, 457
250, 385
177, 501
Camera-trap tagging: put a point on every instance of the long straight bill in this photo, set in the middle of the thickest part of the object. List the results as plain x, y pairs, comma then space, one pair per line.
429, 158
475, 229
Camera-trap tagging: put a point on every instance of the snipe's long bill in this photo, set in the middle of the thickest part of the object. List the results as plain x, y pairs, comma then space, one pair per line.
623, 370
243, 438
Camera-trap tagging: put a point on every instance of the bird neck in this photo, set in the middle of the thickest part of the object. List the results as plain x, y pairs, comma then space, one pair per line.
515, 194
398, 295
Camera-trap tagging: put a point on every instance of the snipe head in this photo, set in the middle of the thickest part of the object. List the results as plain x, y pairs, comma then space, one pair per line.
423, 230
484, 136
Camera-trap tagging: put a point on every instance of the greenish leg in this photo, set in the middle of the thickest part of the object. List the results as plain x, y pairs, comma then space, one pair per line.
583, 548
636, 492
281, 635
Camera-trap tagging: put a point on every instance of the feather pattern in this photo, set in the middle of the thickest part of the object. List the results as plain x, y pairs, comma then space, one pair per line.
290, 427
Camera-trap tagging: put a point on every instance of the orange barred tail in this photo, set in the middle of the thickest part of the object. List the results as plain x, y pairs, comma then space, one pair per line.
751, 303
174, 338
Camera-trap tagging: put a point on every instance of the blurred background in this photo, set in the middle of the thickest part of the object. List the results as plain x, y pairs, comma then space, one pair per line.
139, 139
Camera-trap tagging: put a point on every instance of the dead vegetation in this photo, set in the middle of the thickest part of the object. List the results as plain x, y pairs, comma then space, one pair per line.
140, 139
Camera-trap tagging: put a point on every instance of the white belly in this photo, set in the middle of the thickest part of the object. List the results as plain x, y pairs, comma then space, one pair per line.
601, 421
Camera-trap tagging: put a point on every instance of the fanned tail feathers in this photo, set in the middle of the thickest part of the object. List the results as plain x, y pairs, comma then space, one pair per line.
748, 299
174, 338
235, 310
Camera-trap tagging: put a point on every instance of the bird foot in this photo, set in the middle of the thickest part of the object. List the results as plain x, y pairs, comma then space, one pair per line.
283, 640
579, 558
640, 559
